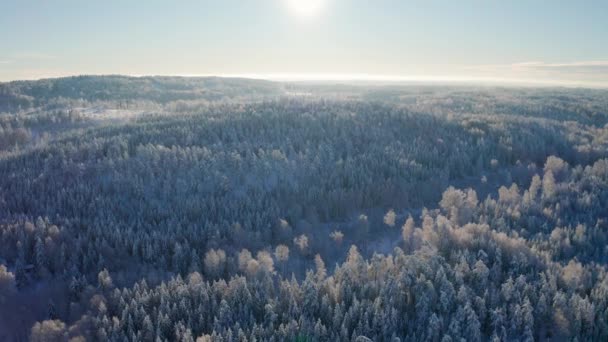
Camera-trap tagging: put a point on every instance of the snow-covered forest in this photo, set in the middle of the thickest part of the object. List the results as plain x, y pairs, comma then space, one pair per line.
212, 209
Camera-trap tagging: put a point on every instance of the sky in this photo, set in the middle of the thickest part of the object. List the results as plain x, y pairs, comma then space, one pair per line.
545, 42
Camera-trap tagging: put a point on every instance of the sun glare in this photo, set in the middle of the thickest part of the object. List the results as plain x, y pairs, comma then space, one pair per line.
306, 8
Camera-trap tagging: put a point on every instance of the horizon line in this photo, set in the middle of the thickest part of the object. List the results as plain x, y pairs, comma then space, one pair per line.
355, 78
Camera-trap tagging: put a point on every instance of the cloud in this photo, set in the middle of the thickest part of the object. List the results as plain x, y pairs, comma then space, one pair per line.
13, 74
600, 66
592, 73
33, 55
563, 65
24, 58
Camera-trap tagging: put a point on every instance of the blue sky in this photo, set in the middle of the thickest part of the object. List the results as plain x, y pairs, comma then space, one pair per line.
544, 41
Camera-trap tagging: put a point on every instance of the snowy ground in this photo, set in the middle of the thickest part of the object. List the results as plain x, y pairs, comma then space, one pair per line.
103, 113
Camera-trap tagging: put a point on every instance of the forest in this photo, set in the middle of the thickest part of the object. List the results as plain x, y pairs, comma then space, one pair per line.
226, 209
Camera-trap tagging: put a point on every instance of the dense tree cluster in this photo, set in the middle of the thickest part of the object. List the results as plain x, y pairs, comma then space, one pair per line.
445, 281
228, 216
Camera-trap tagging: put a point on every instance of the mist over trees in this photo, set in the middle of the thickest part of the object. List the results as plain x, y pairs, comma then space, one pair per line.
228, 209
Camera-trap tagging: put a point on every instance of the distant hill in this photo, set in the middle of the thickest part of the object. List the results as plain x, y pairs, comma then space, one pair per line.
27, 94
586, 106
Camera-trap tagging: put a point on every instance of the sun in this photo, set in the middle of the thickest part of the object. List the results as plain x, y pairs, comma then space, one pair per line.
306, 8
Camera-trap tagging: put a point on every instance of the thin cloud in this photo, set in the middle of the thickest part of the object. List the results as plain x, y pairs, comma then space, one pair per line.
600, 64
582, 71
580, 64
33, 56
32, 74
592, 73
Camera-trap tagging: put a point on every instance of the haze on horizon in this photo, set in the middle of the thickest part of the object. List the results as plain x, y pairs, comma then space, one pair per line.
559, 43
